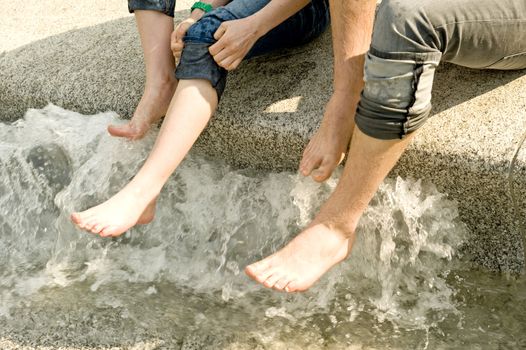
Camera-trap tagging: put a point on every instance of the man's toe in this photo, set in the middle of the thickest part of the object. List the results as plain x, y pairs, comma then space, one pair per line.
321, 174
309, 164
325, 170
97, 228
108, 231
126, 130
291, 287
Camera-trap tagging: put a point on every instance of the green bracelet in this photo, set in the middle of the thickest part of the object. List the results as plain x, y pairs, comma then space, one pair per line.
202, 6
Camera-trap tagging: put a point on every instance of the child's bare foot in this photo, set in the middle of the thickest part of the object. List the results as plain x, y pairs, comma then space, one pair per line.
118, 214
152, 107
327, 148
303, 260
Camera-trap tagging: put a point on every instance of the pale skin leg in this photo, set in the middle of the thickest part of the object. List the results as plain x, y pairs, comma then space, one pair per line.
188, 114
328, 239
155, 29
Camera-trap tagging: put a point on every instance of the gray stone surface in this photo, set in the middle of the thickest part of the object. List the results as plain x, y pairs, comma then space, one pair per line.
466, 148
23, 22
273, 104
57, 320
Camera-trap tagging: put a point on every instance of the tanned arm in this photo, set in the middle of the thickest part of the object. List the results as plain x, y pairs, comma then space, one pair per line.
275, 13
352, 24
352, 27
236, 38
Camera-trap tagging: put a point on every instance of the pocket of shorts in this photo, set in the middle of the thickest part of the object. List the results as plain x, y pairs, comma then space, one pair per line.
516, 61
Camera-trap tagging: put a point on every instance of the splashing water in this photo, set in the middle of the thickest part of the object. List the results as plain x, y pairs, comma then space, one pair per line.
211, 221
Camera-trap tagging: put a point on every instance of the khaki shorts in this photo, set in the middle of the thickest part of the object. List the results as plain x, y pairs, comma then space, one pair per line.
411, 37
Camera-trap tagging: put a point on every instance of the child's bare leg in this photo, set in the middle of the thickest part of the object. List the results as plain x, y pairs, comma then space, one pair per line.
155, 29
188, 114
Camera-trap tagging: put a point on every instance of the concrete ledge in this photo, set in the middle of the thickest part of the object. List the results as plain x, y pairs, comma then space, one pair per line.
466, 148
273, 104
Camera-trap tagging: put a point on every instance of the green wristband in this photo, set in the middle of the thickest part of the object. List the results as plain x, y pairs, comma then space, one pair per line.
202, 6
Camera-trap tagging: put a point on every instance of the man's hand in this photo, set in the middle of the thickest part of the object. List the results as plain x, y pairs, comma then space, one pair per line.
235, 39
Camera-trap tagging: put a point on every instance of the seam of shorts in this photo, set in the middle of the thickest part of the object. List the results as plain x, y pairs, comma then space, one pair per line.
418, 57
417, 73
496, 20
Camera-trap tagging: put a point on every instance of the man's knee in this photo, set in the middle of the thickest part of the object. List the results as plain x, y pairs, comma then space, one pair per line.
396, 99
399, 71
405, 26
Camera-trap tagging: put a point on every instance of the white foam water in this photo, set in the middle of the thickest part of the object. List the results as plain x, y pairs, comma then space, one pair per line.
211, 221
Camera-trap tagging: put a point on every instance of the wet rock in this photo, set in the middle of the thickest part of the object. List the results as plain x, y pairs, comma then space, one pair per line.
51, 163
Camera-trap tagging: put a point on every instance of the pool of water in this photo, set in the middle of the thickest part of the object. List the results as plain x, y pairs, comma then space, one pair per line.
179, 283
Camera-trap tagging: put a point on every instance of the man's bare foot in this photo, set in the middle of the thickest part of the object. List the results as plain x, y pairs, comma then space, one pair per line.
297, 266
327, 148
112, 218
152, 107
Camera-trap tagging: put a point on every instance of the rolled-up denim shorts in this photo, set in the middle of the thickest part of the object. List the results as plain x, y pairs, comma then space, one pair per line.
197, 63
165, 6
411, 37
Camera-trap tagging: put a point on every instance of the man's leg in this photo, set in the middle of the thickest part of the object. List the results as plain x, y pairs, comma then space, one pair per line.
351, 36
464, 37
328, 239
409, 40
155, 25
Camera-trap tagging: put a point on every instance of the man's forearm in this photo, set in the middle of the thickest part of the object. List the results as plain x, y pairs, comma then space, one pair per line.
275, 13
269, 17
352, 26
217, 3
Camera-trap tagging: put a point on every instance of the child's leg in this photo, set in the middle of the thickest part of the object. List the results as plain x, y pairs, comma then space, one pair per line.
195, 100
155, 29
190, 110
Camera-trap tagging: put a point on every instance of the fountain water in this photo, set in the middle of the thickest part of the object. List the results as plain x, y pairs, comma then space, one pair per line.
180, 278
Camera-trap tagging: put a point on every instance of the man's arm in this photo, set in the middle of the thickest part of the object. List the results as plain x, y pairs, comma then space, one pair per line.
329, 238
275, 13
236, 38
352, 27
176, 41
352, 24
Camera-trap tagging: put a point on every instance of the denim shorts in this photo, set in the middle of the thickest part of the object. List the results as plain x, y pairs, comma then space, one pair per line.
411, 37
165, 6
